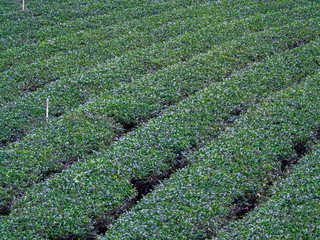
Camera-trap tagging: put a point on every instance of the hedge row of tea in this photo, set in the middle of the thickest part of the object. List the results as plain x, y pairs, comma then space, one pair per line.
144, 27
292, 213
83, 199
35, 27
49, 149
80, 58
27, 113
234, 174
47, 193
42, 21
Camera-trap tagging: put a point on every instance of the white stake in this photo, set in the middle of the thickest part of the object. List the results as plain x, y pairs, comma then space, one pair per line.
22, 5
47, 112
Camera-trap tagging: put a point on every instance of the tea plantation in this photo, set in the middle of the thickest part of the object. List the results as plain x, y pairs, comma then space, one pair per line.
194, 119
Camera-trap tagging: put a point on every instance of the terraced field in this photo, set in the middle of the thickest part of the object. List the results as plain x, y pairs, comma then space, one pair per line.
167, 119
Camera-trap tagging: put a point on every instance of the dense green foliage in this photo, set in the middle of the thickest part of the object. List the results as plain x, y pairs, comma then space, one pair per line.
235, 170
148, 151
48, 19
150, 27
193, 119
95, 48
292, 213
92, 126
21, 116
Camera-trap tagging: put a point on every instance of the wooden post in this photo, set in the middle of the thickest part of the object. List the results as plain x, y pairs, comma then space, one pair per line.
47, 112
22, 5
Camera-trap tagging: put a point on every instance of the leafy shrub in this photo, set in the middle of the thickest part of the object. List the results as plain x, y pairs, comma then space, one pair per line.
26, 113
148, 152
292, 212
148, 29
50, 149
233, 174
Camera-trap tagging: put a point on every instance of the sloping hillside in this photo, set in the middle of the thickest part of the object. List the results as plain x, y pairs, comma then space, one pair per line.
166, 119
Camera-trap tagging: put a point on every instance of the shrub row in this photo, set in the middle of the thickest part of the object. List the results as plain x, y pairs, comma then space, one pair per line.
292, 213
234, 173
148, 96
54, 145
48, 150
40, 14
28, 78
38, 28
83, 199
153, 24
28, 112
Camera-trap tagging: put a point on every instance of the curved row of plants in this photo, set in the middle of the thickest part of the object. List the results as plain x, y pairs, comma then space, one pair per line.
292, 212
72, 41
49, 149
28, 113
235, 172
40, 14
33, 29
82, 200
78, 59
11, 11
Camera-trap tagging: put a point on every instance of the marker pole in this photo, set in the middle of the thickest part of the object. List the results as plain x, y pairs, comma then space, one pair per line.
47, 112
